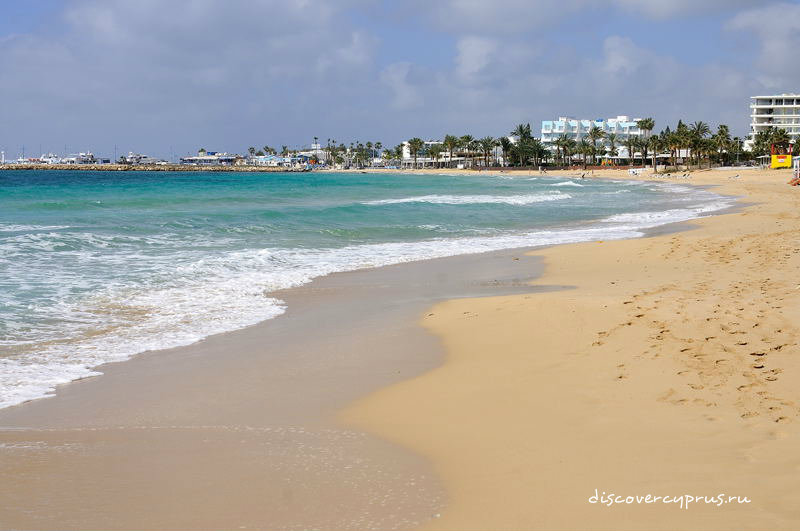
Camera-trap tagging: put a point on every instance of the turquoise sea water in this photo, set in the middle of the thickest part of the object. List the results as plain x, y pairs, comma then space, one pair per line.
99, 266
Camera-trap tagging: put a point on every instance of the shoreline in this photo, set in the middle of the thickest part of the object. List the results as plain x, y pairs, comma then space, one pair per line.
147, 167
255, 406
666, 370
65, 411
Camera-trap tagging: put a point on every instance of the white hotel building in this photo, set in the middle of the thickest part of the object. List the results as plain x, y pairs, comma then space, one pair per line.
779, 110
575, 129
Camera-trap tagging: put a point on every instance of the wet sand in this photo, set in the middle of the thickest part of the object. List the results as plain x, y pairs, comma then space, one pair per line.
239, 431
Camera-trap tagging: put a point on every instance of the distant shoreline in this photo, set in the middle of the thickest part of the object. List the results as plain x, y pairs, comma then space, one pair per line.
148, 167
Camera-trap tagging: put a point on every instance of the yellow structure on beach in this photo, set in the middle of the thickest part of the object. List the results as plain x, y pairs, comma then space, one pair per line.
781, 156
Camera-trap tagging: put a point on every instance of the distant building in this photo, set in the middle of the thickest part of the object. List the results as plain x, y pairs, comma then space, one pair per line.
211, 158
423, 156
781, 111
50, 158
138, 158
622, 126
270, 160
80, 158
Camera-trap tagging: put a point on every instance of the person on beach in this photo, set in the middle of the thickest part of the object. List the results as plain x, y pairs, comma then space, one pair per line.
795, 181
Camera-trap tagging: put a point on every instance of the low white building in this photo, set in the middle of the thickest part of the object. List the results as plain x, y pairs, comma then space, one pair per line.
79, 158
138, 158
50, 158
211, 158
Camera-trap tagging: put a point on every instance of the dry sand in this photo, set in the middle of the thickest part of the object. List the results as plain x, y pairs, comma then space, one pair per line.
671, 368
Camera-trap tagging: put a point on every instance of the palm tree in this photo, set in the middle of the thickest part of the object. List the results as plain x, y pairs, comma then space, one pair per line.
595, 134
487, 144
538, 150
560, 143
722, 141
630, 145
522, 131
451, 144
251, 150
698, 131
378, 147
646, 125
612, 145
466, 143
414, 146
584, 147
435, 151
506, 145
523, 134
779, 136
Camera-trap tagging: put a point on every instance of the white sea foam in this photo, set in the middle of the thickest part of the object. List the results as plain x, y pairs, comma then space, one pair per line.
11, 227
567, 183
167, 310
526, 199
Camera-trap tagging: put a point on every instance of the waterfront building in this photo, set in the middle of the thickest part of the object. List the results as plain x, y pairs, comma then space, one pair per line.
577, 129
50, 158
270, 160
212, 158
424, 159
80, 158
138, 158
781, 111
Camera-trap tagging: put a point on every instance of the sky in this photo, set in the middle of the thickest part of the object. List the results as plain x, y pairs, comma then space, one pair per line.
166, 78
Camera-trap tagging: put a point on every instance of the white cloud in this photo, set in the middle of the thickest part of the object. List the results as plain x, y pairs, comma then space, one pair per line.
474, 55
510, 16
405, 94
777, 28
670, 8
161, 73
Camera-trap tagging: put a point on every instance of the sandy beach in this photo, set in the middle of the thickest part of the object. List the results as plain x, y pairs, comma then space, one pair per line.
670, 368
492, 391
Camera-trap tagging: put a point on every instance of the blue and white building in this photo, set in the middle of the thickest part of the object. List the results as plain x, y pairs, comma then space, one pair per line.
623, 126
212, 158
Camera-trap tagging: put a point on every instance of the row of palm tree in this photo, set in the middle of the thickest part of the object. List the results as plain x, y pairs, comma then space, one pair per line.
694, 142
691, 144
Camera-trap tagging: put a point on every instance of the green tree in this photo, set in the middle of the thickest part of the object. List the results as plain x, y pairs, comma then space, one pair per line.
451, 143
722, 143
585, 149
698, 131
646, 125
654, 145
487, 144
612, 138
414, 146
506, 146
466, 142
435, 151
594, 135
523, 134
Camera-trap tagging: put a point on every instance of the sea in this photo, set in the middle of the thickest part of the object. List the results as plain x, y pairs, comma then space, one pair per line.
96, 267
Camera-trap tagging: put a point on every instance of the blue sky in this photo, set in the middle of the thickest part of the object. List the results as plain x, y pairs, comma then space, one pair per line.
169, 77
